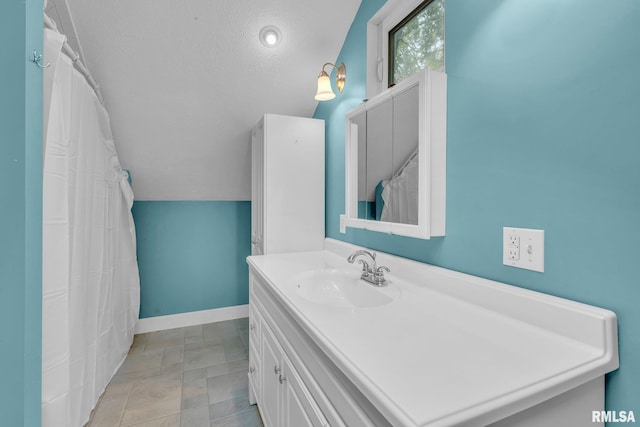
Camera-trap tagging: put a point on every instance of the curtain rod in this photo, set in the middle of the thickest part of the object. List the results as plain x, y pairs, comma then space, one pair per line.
48, 23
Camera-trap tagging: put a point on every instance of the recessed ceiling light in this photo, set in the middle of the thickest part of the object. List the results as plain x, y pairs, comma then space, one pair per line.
270, 36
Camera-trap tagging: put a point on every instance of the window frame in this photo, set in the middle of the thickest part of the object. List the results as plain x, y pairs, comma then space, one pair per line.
390, 55
388, 17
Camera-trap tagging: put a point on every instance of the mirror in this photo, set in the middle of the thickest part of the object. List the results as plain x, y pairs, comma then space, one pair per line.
396, 154
388, 172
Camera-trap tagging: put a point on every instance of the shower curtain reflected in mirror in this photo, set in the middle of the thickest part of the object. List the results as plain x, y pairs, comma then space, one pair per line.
90, 273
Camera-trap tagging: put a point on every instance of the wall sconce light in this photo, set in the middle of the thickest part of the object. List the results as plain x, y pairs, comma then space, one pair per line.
325, 92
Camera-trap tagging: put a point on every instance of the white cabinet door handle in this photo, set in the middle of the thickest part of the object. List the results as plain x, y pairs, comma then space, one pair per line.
282, 379
276, 370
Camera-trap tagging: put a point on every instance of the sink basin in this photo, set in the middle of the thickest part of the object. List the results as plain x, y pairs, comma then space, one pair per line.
342, 289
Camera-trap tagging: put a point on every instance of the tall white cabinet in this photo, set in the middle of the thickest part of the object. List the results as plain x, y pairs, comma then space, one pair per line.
287, 184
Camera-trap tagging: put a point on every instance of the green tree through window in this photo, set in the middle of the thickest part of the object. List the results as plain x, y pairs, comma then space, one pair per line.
417, 41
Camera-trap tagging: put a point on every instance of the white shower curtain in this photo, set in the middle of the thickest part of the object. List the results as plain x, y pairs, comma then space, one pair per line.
90, 273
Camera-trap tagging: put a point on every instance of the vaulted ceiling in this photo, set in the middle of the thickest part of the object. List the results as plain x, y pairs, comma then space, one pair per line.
184, 81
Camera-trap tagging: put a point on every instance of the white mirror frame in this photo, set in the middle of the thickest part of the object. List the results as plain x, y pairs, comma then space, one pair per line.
432, 128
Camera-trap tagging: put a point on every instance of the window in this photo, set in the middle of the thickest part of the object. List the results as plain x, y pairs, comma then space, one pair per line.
403, 37
417, 41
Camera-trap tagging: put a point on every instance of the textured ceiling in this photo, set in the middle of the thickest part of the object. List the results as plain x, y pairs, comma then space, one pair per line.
184, 81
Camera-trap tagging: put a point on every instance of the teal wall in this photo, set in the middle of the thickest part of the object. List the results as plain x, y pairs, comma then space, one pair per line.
191, 255
543, 132
20, 214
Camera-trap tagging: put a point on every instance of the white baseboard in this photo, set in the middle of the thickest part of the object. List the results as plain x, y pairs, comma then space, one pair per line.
160, 323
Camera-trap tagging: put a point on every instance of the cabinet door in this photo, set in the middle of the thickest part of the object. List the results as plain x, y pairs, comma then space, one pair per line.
254, 376
271, 370
294, 184
255, 355
257, 189
299, 408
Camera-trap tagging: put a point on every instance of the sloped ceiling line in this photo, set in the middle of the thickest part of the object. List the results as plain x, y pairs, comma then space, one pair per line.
184, 82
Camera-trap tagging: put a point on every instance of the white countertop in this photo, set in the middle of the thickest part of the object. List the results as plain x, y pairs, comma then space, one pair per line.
450, 348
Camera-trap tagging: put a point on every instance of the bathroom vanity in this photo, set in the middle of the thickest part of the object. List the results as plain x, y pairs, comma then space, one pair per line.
433, 348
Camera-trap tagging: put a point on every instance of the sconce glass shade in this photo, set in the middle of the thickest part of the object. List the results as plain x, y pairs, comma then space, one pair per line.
324, 92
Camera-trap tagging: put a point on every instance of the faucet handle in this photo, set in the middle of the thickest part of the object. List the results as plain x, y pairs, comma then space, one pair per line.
378, 275
379, 271
365, 267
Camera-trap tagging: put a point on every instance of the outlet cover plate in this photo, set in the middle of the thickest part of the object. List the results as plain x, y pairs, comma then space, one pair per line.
523, 248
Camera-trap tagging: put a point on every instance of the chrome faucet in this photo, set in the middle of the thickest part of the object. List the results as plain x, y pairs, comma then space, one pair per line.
370, 274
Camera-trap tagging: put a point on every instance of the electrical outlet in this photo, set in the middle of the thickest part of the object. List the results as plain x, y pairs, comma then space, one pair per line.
523, 248
512, 246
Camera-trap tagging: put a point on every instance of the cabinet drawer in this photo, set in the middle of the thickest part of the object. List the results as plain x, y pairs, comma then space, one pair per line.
255, 324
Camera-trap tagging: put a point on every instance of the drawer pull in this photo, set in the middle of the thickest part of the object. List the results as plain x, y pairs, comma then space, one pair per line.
276, 370
252, 369
282, 379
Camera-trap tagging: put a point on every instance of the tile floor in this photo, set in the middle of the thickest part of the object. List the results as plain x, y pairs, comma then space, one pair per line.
186, 377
